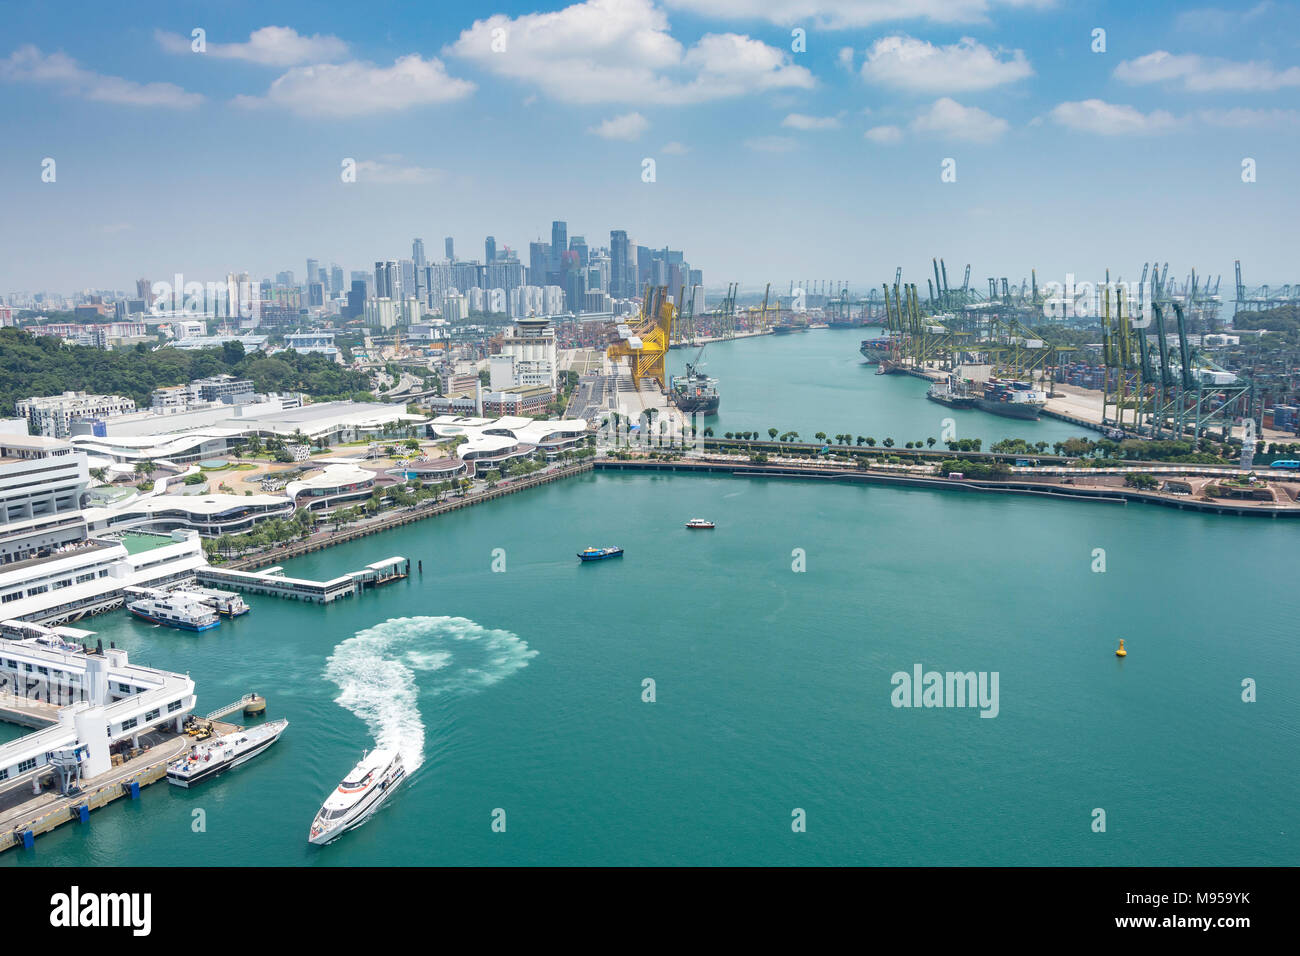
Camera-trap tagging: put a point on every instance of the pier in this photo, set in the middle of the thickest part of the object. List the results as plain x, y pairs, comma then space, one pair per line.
274, 582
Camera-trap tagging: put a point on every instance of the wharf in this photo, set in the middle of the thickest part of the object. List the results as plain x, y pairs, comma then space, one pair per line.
27, 711
274, 582
24, 815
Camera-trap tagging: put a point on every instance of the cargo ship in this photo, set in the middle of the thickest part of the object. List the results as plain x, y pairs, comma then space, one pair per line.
1011, 399
955, 393
694, 393
875, 349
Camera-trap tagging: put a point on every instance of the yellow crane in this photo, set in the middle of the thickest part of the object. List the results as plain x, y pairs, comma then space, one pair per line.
644, 343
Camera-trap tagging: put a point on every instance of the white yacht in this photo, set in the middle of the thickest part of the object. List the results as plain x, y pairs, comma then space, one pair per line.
175, 610
359, 795
216, 756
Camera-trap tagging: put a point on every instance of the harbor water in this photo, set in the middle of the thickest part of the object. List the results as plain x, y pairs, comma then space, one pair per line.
824, 385
520, 694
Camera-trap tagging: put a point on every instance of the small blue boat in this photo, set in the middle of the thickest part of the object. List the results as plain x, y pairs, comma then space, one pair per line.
598, 554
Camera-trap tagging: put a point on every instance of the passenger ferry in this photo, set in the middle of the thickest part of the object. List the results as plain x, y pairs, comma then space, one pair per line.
597, 554
219, 754
699, 523
175, 610
359, 795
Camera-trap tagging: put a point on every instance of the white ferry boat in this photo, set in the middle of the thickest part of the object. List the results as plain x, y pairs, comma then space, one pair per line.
219, 754
175, 610
359, 795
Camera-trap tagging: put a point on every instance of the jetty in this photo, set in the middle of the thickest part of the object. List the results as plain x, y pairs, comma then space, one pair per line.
275, 582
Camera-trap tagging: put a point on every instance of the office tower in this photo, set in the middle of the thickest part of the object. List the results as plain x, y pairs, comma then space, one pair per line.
695, 277
539, 255
621, 282
417, 254
315, 295
504, 274
313, 271
578, 244
284, 278
336, 280
489, 250
388, 279
451, 250
144, 290
559, 246
407, 279
644, 257
356, 299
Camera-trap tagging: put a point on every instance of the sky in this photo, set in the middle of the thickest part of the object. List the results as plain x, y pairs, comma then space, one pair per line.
790, 139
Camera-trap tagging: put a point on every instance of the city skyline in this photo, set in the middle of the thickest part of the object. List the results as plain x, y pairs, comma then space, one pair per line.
775, 154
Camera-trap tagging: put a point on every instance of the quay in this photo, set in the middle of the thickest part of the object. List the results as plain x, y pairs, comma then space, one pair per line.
407, 516
1015, 485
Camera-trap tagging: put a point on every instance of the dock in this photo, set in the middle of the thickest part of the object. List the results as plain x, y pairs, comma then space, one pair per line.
275, 582
25, 815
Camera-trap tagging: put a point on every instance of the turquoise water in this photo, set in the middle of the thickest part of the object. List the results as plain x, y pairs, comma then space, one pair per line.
823, 386
773, 687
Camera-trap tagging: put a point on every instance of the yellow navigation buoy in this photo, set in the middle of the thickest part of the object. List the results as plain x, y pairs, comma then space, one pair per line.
1121, 652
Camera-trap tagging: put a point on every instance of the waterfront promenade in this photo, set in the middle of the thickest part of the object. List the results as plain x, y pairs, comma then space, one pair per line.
395, 519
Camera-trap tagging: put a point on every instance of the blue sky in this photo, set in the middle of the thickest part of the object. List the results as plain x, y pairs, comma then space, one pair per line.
771, 163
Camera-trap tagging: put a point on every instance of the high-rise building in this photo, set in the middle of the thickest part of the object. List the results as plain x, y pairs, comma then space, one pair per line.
144, 290
284, 278
644, 268
579, 245
388, 279
315, 295
313, 271
356, 299
417, 254
336, 280
559, 245
539, 256
451, 249
622, 281
489, 250
407, 280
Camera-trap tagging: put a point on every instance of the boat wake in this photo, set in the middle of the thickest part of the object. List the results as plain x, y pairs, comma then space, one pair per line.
381, 672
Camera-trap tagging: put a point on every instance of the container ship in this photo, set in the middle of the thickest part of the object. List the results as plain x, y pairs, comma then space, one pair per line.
875, 349
955, 393
1011, 399
694, 393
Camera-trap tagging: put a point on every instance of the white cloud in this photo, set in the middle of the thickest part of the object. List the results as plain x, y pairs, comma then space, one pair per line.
845, 58
269, 46
805, 122
1215, 21
629, 126
772, 144
675, 149
28, 64
388, 171
614, 51
884, 135
845, 14
912, 64
355, 88
1198, 74
1111, 119
948, 118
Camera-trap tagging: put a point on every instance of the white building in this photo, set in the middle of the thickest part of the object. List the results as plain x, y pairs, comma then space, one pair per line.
106, 701
51, 416
530, 348
314, 343
455, 308
381, 312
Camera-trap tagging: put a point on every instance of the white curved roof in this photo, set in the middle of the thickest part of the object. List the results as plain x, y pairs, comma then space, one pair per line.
526, 430
330, 478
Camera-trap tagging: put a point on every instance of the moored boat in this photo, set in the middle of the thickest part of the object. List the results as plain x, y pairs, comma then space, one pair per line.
175, 610
216, 755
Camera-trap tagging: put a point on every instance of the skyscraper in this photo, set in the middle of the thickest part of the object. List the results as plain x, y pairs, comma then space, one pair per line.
578, 244
451, 249
336, 279
621, 267
489, 250
388, 279
539, 255
313, 271
559, 245
417, 254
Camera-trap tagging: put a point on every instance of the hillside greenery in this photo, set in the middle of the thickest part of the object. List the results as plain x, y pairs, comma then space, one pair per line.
47, 366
